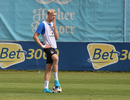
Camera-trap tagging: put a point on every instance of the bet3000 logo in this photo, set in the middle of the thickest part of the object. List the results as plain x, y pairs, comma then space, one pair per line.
102, 55
10, 54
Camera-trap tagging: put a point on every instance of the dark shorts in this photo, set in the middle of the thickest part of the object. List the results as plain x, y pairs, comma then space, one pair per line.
49, 52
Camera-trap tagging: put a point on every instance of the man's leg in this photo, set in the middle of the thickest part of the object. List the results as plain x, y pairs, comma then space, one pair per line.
48, 72
47, 78
55, 69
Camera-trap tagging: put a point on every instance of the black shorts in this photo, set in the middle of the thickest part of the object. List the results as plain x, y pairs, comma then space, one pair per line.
49, 52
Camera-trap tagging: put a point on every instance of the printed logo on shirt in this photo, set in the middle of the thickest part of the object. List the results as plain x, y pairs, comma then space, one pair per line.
102, 55
11, 54
57, 1
52, 34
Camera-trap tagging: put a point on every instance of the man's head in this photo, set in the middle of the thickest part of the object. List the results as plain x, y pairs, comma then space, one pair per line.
51, 14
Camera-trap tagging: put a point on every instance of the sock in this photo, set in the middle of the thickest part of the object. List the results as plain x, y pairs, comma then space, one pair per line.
46, 84
56, 75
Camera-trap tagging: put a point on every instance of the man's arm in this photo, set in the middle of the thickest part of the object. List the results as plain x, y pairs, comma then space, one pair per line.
55, 30
35, 37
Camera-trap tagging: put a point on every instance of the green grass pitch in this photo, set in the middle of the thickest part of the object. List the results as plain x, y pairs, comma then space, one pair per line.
28, 85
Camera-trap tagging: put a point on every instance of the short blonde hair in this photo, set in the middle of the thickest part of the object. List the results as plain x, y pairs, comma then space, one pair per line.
50, 11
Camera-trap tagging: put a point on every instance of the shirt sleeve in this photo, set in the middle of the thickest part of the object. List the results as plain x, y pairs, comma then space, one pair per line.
41, 29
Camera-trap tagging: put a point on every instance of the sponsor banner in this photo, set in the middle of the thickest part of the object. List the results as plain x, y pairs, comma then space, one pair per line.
127, 21
73, 56
76, 20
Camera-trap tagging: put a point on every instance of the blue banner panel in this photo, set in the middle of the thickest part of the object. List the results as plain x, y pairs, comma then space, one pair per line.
73, 56
127, 21
77, 20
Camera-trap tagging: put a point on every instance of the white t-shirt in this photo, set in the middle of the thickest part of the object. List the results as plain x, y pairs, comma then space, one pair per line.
48, 35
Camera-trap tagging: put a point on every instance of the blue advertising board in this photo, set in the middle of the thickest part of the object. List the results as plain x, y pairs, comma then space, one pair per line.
76, 20
73, 56
127, 21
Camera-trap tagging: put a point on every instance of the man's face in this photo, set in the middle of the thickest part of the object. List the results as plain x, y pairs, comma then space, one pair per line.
52, 16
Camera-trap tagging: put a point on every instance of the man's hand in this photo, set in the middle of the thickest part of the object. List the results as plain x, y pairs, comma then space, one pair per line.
54, 23
55, 30
46, 46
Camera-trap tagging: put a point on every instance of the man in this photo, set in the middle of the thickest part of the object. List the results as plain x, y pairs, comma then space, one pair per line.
49, 34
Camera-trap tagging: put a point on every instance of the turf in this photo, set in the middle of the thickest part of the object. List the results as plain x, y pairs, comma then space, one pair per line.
28, 85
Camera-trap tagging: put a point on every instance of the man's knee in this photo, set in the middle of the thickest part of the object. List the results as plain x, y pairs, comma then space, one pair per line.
55, 58
49, 67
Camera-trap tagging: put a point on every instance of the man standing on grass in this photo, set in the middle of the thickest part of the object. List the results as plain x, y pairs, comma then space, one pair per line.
49, 34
